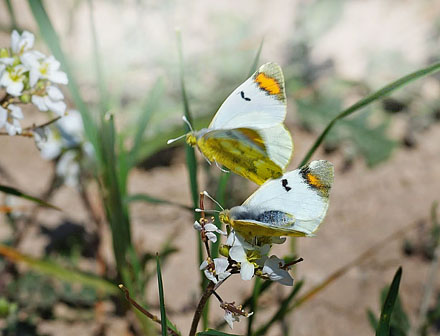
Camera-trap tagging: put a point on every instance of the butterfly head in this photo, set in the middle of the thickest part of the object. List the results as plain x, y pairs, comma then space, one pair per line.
224, 217
191, 139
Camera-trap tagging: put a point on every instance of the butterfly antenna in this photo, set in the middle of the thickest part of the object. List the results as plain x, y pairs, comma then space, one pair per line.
212, 199
178, 138
201, 210
185, 120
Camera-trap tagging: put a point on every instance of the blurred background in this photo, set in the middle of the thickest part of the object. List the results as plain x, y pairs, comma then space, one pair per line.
333, 53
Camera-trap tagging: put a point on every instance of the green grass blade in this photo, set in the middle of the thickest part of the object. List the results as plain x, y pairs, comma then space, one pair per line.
11, 14
211, 332
18, 193
254, 65
190, 152
386, 90
282, 310
144, 117
154, 200
163, 316
51, 268
383, 328
191, 163
100, 78
48, 32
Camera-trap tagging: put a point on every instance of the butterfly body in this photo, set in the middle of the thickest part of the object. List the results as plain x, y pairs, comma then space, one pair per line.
293, 205
247, 134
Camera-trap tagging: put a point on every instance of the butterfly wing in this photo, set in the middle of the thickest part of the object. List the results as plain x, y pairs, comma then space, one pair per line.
245, 152
301, 194
259, 102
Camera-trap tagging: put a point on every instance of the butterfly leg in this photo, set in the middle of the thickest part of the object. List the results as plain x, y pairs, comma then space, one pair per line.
218, 166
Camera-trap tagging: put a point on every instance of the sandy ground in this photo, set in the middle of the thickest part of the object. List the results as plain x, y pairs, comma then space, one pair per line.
366, 205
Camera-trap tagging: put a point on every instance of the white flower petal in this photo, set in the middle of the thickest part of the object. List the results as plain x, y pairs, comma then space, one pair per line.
54, 93
3, 116
16, 112
58, 77
210, 227
221, 264
197, 226
14, 88
210, 276
204, 264
15, 40
230, 318
39, 102
247, 270
238, 253
58, 107
211, 236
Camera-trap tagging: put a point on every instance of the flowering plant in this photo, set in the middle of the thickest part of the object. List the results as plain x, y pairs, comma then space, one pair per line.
28, 76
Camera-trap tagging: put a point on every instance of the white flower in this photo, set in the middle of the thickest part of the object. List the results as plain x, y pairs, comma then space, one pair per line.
219, 272
233, 313
238, 253
12, 123
48, 142
273, 268
12, 79
68, 168
209, 230
3, 116
230, 318
52, 101
21, 43
72, 129
43, 67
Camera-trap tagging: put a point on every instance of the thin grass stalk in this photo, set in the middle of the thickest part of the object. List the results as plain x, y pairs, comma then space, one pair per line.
386, 90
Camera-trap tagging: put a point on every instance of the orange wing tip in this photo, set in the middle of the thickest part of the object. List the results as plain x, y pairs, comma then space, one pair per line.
269, 78
319, 175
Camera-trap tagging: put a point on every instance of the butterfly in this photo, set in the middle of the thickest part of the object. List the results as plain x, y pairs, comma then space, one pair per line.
293, 205
247, 134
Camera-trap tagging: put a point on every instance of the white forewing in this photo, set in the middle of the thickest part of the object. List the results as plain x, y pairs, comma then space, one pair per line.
251, 106
304, 202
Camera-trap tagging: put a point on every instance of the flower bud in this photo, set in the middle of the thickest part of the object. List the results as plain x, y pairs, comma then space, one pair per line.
224, 250
25, 98
4, 53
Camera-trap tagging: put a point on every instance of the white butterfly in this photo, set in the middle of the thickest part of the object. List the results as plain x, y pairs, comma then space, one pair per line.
292, 205
247, 134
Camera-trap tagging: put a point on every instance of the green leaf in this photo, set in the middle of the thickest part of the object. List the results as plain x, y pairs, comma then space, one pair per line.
386, 90
18, 193
151, 199
211, 332
11, 14
163, 316
372, 319
383, 328
51, 268
150, 105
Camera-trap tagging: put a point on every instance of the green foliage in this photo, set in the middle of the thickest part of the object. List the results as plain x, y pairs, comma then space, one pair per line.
211, 332
384, 326
18, 193
163, 315
383, 92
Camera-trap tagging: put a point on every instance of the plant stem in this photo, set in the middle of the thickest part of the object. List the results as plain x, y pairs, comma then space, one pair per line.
199, 310
27, 132
143, 310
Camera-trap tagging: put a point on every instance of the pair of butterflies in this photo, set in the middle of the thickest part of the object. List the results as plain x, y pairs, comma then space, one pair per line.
247, 136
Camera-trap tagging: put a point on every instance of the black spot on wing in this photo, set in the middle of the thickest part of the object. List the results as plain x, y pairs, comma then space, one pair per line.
284, 182
245, 98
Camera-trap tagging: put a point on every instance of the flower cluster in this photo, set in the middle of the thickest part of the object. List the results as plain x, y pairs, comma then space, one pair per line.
26, 76
64, 141
247, 257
